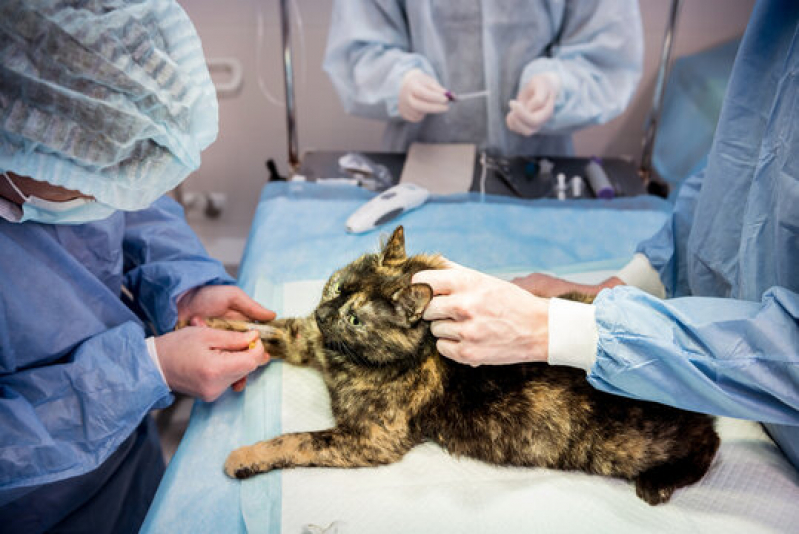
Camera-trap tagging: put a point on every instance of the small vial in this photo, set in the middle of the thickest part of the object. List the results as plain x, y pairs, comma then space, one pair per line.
560, 186
577, 186
599, 180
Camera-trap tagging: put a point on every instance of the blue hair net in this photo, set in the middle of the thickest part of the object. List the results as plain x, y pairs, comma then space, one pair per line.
111, 98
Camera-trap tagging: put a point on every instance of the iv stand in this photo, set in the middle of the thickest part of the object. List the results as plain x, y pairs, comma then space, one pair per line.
651, 182
288, 79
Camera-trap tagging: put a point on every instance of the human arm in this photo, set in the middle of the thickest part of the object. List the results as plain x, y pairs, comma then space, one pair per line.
173, 279
164, 260
368, 55
591, 73
719, 356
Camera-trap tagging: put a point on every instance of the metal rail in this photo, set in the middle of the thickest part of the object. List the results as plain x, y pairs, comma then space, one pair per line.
288, 79
653, 119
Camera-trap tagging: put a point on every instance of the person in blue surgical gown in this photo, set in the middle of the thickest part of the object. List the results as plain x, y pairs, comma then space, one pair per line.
548, 67
104, 107
726, 341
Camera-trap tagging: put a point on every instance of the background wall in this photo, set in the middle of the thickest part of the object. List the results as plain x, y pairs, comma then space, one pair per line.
252, 129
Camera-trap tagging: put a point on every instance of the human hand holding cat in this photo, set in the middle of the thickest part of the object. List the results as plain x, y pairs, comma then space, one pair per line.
482, 320
204, 362
225, 301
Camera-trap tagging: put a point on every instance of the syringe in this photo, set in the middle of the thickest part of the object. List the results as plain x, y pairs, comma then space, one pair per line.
465, 96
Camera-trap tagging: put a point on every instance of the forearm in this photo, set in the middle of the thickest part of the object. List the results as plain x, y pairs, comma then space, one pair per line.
367, 61
164, 260
100, 395
718, 356
598, 60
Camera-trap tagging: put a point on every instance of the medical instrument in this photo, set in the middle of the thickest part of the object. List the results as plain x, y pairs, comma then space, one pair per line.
545, 167
560, 186
336, 180
576, 184
386, 206
367, 173
465, 96
599, 180
502, 168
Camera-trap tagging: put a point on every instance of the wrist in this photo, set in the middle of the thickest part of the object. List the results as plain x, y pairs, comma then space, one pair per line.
573, 334
152, 350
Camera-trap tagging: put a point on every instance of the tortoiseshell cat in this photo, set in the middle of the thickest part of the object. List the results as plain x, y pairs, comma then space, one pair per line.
390, 390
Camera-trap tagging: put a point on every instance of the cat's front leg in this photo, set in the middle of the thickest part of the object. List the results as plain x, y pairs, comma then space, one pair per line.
293, 339
325, 448
297, 341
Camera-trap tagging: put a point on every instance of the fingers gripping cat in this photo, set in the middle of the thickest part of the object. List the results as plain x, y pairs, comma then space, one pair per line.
391, 390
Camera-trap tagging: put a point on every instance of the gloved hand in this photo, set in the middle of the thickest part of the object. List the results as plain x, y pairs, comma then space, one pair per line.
480, 319
221, 301
545, 285
204, 362
419, 95
534, 104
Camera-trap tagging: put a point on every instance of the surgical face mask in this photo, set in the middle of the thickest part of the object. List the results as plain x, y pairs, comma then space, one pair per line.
75, 211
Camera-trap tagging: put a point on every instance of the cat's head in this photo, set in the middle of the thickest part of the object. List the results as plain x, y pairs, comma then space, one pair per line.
370, 312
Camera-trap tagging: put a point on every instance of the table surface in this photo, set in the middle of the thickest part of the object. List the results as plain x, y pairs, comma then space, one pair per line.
298, 234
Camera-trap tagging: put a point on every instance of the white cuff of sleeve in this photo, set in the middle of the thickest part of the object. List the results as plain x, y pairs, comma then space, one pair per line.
573, 334
640, 273
153, 352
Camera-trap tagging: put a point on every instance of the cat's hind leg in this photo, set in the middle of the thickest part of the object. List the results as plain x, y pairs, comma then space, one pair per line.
326, 448
657, 484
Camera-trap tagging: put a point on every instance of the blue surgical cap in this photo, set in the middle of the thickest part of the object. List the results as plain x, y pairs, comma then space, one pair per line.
111, 98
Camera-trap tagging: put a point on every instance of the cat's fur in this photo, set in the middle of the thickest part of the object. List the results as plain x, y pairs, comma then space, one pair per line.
390, 390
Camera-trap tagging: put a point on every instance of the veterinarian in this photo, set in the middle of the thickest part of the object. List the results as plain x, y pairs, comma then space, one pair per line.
726, 341
103, 109
530, 73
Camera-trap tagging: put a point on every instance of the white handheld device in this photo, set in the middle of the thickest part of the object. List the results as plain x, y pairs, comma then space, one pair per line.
385, 206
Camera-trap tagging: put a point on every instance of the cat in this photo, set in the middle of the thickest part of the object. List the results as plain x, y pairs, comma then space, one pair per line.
391, 390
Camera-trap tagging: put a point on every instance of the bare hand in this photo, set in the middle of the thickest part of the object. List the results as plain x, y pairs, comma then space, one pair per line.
480, 319
545, 285
204, 362
534, 105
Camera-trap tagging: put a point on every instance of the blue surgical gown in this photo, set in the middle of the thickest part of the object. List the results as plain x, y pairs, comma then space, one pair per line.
728, 343
595, 46
76, 380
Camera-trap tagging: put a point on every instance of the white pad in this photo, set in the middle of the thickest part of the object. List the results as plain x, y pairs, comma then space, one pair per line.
750, 487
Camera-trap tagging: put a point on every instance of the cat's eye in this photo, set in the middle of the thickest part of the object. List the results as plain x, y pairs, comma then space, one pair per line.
335, 288
353, 320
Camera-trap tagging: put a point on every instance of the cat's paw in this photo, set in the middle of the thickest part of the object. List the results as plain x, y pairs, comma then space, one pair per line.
241, 464
653, 491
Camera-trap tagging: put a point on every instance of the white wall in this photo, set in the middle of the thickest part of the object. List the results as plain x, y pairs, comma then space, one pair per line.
253, 130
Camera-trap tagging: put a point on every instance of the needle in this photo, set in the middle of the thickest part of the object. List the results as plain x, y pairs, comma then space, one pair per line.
465, 96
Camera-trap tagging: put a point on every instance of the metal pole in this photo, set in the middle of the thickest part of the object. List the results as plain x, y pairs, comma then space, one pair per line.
288, 78
645, 170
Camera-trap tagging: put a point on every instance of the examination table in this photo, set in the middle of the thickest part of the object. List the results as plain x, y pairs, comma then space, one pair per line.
297, 240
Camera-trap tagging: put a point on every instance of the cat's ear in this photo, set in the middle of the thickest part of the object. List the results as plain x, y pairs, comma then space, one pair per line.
393, 253
413, 300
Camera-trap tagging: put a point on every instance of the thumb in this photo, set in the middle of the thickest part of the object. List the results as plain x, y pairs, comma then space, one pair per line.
247, 306
238, 364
